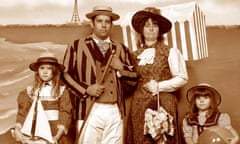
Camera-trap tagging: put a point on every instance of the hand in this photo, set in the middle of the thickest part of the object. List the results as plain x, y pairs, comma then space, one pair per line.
95, 90
55, 139
233, 140
116, 63
28, 141
19, 136
152, 87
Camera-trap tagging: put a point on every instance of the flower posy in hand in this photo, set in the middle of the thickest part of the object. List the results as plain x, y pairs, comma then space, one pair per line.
158, 123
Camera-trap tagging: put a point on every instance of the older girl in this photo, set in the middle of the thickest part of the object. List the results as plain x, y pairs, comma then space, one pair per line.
44, 108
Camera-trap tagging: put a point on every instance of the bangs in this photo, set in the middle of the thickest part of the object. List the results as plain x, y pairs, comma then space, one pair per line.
202, 92
154, 21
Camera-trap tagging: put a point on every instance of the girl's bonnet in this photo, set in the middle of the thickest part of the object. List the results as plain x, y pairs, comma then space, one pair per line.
46, 57
191, 92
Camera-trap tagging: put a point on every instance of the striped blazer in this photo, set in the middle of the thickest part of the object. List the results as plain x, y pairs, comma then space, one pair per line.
80, 69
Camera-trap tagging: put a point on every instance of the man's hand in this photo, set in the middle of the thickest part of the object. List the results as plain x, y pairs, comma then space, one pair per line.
95, 90
116, 63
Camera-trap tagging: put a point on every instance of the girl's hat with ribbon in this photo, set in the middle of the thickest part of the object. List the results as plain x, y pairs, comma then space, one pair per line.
140, 17
191, 92
46, 57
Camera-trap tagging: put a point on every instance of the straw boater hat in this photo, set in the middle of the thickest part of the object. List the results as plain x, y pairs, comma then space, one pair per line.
46, 57
140, 17
102, 10
190, 92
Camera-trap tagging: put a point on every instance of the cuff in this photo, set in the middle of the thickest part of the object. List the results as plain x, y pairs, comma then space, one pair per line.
118, 74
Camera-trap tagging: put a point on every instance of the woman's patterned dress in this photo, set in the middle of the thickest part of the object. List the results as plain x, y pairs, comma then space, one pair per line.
142, 100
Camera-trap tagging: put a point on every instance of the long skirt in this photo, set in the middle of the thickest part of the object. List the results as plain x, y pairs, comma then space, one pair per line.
140, 102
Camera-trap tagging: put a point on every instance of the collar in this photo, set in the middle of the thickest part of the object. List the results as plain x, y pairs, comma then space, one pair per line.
49, 83
97, 40
212, 120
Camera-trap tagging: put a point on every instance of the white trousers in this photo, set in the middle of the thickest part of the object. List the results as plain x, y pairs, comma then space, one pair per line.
104, 125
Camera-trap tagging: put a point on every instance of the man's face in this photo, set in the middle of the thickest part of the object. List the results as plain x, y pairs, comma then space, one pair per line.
102, 26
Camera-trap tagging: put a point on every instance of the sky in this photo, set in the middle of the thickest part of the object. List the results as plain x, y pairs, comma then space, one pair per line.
217, 12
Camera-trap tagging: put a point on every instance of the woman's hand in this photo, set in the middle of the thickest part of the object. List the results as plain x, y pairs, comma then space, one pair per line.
152, 87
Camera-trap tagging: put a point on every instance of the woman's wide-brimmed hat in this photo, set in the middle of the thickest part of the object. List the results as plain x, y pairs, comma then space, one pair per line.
191, 91
140, 17
102, 10
46, 57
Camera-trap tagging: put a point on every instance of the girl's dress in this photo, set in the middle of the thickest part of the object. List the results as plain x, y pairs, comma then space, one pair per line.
194, 125
142, 100
59, 109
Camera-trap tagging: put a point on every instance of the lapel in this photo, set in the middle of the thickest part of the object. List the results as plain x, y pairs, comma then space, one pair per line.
96, 53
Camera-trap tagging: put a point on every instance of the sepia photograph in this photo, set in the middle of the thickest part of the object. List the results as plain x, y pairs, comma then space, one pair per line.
119, 71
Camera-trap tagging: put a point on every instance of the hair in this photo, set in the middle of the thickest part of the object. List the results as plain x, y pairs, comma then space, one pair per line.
140, 40
203, 92
56, 81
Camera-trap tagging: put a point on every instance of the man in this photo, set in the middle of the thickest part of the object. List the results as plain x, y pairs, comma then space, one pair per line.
99, 71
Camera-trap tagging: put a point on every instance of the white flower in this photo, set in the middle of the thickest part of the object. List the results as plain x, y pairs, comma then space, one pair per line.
158, 123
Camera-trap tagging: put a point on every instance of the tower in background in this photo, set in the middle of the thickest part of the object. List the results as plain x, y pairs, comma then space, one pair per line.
75, 16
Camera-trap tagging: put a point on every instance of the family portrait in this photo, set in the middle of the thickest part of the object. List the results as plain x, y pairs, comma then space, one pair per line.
119, 72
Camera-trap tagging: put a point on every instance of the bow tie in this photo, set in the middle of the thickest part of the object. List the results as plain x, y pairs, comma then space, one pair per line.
46, 84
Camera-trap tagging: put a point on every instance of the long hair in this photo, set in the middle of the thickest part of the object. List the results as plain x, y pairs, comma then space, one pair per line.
203, 92
56, 82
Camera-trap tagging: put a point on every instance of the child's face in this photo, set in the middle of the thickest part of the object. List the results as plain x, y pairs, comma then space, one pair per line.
203, 102
45, 72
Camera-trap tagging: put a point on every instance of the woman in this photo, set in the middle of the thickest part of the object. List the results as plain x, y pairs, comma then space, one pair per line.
161, 71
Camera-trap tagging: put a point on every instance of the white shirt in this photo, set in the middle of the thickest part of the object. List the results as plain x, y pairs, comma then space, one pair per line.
179, 72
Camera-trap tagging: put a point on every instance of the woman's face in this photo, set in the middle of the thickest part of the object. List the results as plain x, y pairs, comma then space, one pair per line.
45, 72
150, 30
203, 102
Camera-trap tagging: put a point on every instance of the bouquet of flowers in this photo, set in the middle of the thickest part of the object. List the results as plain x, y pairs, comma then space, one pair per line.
158, 124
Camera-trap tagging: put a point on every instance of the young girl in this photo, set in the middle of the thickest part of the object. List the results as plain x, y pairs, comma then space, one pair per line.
204, 114
44, 108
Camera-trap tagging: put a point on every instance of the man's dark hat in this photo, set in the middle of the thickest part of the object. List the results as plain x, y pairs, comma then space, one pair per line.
46, 57
190, 92
103, 10
140, 17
